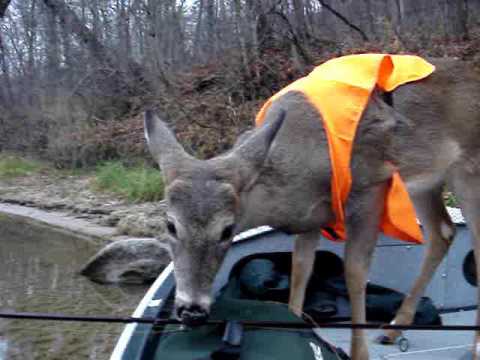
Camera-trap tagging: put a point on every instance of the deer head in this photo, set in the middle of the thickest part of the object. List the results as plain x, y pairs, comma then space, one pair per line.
204, 201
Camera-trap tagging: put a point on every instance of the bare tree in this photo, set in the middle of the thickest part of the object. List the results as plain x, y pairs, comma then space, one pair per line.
461, 21
135, 80
344, 19
197, 47
210, 26
8, 92
86, 36
52, 52
300, 20
3, 7
294, 38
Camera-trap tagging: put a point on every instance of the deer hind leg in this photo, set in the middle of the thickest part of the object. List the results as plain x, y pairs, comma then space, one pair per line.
302, 263
466, 182
439, 233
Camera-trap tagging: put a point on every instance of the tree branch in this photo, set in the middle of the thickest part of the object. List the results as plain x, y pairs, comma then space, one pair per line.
344, 19
68, 16
295, 39
134, 79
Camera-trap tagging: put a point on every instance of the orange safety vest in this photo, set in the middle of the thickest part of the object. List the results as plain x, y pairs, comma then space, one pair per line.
340, 89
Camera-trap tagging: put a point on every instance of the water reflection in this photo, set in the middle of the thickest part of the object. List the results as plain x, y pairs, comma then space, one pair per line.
38, 273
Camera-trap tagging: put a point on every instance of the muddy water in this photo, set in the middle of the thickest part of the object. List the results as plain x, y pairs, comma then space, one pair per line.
38, 273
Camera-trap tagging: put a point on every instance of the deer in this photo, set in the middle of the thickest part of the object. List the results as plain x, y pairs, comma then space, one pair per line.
279, 174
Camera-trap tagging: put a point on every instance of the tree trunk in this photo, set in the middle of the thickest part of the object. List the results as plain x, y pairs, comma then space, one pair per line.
129, 89
303, 53
462, 23
210, 24
123, 33
178, 35
67, 54
197, 44
6, 73
344, 19
96, 24
29, 22
370, 18
301, 24
52, 52
3, 61
3, 7
241, 36
87, 37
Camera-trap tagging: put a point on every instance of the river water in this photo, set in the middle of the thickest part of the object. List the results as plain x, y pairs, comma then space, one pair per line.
39, 273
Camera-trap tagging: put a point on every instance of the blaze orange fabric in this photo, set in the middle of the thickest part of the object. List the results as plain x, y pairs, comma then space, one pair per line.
340, 89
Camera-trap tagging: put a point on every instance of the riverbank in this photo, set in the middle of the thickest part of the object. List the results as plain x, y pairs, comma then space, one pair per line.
73, 204
72, 196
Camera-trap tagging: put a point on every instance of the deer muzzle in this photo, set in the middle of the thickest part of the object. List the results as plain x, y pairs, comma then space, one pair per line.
192, 310
193, 315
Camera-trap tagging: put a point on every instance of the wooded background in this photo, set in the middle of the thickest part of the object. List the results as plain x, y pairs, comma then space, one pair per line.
75, 75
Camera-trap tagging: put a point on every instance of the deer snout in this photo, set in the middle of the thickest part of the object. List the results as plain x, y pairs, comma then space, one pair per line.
192, 307
192, 315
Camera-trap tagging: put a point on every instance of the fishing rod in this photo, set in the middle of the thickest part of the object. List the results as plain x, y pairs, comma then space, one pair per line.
249, 323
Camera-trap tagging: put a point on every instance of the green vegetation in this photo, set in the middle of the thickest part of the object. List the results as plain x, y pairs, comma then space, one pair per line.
12, 166
450, 200
137, 183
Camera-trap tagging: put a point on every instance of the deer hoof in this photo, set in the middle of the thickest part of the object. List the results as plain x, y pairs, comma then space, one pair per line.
384, 340
403, 344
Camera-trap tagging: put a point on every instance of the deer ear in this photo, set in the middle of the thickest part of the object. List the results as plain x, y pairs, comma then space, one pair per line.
254, 149
163, 145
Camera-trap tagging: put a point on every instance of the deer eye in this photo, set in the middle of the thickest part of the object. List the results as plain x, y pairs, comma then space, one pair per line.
227, 232
171, 228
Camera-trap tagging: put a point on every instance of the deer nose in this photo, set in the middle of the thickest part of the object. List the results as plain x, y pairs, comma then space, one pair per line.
192, 315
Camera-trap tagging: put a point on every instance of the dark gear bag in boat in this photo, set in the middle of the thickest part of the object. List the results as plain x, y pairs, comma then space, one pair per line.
236, 342
327, 295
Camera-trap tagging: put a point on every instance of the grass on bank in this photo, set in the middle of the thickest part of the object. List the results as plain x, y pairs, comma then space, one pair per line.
12, 166
137, 183
449, 199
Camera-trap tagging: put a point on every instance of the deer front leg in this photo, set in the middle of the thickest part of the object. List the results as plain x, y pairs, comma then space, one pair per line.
303, 258
363, 213
439, 232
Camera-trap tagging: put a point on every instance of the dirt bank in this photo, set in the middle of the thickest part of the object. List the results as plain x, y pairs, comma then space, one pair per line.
72, 195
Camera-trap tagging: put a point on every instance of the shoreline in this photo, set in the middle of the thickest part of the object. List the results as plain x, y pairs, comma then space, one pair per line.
69, 204
60, 222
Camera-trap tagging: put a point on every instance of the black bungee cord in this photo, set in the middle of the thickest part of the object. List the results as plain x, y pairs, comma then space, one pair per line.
249, 323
